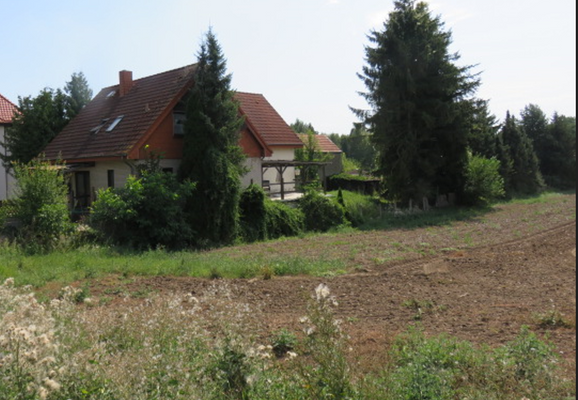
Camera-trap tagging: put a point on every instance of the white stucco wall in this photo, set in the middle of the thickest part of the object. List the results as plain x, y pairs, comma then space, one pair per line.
285, 154
99, 173
254, 174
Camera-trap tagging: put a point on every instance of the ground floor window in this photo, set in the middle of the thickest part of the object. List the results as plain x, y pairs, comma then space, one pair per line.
110, 178
82, 198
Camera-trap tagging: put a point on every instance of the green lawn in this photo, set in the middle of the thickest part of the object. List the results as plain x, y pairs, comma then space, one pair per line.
96, 262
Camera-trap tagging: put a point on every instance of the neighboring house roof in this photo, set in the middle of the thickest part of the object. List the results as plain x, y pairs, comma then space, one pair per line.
326, 145
7, 110
267, 121
142, 106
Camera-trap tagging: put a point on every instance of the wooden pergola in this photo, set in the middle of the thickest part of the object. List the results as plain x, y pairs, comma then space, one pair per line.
282, 165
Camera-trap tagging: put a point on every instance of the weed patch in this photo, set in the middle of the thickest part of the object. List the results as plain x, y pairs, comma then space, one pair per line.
185, 347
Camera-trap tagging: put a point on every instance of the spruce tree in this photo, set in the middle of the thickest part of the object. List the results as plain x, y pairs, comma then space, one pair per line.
212, 157
521, 167
483, 128
557, 152
535, 123
555, 145
415, 91
78, 95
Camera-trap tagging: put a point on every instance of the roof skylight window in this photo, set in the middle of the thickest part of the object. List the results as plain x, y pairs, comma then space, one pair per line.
97, 129
115, 123
111, 94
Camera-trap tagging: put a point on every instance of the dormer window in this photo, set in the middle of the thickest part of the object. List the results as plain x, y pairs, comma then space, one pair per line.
115, 123
179, 119
97, 129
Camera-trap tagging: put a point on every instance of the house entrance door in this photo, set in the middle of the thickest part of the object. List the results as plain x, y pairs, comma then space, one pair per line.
82, 200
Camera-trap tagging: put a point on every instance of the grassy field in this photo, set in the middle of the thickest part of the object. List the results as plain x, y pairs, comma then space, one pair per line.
388, 237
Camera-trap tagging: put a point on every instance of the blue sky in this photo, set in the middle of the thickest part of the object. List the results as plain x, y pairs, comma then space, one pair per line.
303, 55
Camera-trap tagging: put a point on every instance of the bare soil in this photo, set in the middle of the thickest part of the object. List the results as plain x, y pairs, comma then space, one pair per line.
483, 291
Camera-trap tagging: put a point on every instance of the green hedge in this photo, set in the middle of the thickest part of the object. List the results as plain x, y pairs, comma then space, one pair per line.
283, 220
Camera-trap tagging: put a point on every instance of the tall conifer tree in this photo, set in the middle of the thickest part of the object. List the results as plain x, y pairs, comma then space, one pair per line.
557, 153
415, 90
555, 145
212, 157
78, 95
484, 129
522, 167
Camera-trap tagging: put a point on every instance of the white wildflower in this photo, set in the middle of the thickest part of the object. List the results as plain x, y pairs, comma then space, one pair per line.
43, 393
310, 331
51, 384
322, 292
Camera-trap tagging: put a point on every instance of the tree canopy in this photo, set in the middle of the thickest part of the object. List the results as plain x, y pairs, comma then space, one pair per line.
41, 118
78, 95
520, 165
415, 91
212, 157
555, 145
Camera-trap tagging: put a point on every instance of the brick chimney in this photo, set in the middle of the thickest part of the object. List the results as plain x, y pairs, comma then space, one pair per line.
126, 82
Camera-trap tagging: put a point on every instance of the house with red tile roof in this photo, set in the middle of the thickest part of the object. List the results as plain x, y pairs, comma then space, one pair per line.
326, 146
279, 136
127, 122
7, 111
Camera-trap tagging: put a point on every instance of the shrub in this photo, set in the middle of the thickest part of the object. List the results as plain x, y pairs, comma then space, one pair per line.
321, 214
359, 208
147, 212
253, 214
282, 220
484, 184
432, 368
527, 359
41, 205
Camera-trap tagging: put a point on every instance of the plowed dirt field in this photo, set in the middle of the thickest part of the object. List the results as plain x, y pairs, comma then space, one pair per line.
520, 265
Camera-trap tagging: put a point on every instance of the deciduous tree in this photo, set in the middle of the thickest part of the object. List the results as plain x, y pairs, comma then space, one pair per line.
41, 118
38, 121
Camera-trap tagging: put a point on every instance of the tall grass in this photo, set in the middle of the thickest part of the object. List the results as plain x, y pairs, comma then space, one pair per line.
182, 347
90, 262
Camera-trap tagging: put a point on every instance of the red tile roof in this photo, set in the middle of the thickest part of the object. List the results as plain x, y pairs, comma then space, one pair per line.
267, 121
142, 108
326, 145
7, 110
